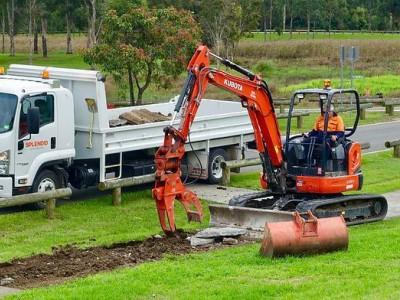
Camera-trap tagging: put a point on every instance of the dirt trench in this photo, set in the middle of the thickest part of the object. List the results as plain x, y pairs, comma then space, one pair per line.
70, 262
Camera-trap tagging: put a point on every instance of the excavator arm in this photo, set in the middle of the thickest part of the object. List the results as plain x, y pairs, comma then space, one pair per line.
254, 95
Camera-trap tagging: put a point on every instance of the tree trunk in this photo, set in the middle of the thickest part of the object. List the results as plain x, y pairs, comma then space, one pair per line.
88, 22
130, 82
32, 4
92, 17
44, 36
270, 18
291, 25
265, 20
93, 23
35, 37
284, 19
330, 24
11, 25
141, 89
69, 35
3, 31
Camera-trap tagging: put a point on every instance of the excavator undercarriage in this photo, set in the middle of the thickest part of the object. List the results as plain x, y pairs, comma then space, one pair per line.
254, 210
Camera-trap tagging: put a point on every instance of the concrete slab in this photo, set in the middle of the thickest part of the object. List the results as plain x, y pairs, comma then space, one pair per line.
393, 199
4, 291
217, 193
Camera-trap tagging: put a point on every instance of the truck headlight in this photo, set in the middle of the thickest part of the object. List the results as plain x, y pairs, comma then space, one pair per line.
4, 162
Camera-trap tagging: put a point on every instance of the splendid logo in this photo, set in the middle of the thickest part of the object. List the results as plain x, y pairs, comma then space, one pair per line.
233, 85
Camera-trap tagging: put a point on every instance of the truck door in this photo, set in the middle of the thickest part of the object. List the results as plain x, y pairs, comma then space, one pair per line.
32, 149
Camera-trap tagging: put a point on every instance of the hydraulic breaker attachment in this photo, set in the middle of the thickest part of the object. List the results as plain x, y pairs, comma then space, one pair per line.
304, 236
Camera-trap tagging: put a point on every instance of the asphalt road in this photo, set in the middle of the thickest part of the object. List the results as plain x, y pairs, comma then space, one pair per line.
378, 134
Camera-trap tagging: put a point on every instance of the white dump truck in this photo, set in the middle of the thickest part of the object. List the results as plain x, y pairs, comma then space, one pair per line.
56, 129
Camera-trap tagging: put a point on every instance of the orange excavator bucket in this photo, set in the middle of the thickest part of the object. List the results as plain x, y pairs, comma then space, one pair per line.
304, 236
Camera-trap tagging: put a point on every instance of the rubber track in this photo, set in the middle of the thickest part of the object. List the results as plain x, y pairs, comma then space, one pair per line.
313, 205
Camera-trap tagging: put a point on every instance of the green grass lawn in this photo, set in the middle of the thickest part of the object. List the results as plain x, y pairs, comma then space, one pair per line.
377, 179
386, 84
370, 269
260, 36
55, 59
97, 222
85, 223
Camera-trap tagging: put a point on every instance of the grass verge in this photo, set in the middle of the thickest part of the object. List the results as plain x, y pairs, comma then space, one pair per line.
368, 270
55, 59
260, 36
386, 84
85, 223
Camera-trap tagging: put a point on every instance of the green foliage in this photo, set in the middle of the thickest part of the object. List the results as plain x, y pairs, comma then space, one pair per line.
121, 6
368, 270
265, 68
145, 46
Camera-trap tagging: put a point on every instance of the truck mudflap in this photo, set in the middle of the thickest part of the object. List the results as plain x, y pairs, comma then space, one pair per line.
245, 217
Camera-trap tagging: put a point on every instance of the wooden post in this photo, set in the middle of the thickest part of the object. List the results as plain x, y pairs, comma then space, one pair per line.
391, 110
50, 208
282, 109
387, 107
300, 122
363, 114
396, 151
226, 175
116, 196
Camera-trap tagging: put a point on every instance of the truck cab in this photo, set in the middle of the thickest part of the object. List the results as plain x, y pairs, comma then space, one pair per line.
36, 133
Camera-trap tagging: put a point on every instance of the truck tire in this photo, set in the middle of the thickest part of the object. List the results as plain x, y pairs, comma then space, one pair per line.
46, 180
214, 165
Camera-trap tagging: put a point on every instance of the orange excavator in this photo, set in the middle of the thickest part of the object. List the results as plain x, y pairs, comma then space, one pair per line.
299, 175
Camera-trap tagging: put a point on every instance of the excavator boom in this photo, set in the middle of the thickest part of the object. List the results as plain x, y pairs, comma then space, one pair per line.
255, 96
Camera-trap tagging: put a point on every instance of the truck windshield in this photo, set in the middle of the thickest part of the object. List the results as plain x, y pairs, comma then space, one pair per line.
8, 104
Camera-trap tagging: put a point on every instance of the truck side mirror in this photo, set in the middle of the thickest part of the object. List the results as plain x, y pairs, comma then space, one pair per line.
33, 120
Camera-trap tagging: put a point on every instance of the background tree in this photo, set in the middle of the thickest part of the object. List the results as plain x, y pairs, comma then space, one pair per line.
31, 6
145, 46
11, 24
220, 21
95, 11
69, 9
122, 6
3, 25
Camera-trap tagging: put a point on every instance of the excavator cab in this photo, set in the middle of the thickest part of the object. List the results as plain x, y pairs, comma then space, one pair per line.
322, 152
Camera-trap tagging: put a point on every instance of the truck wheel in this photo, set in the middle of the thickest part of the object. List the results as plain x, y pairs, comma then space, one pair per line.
215, 159
46, 181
